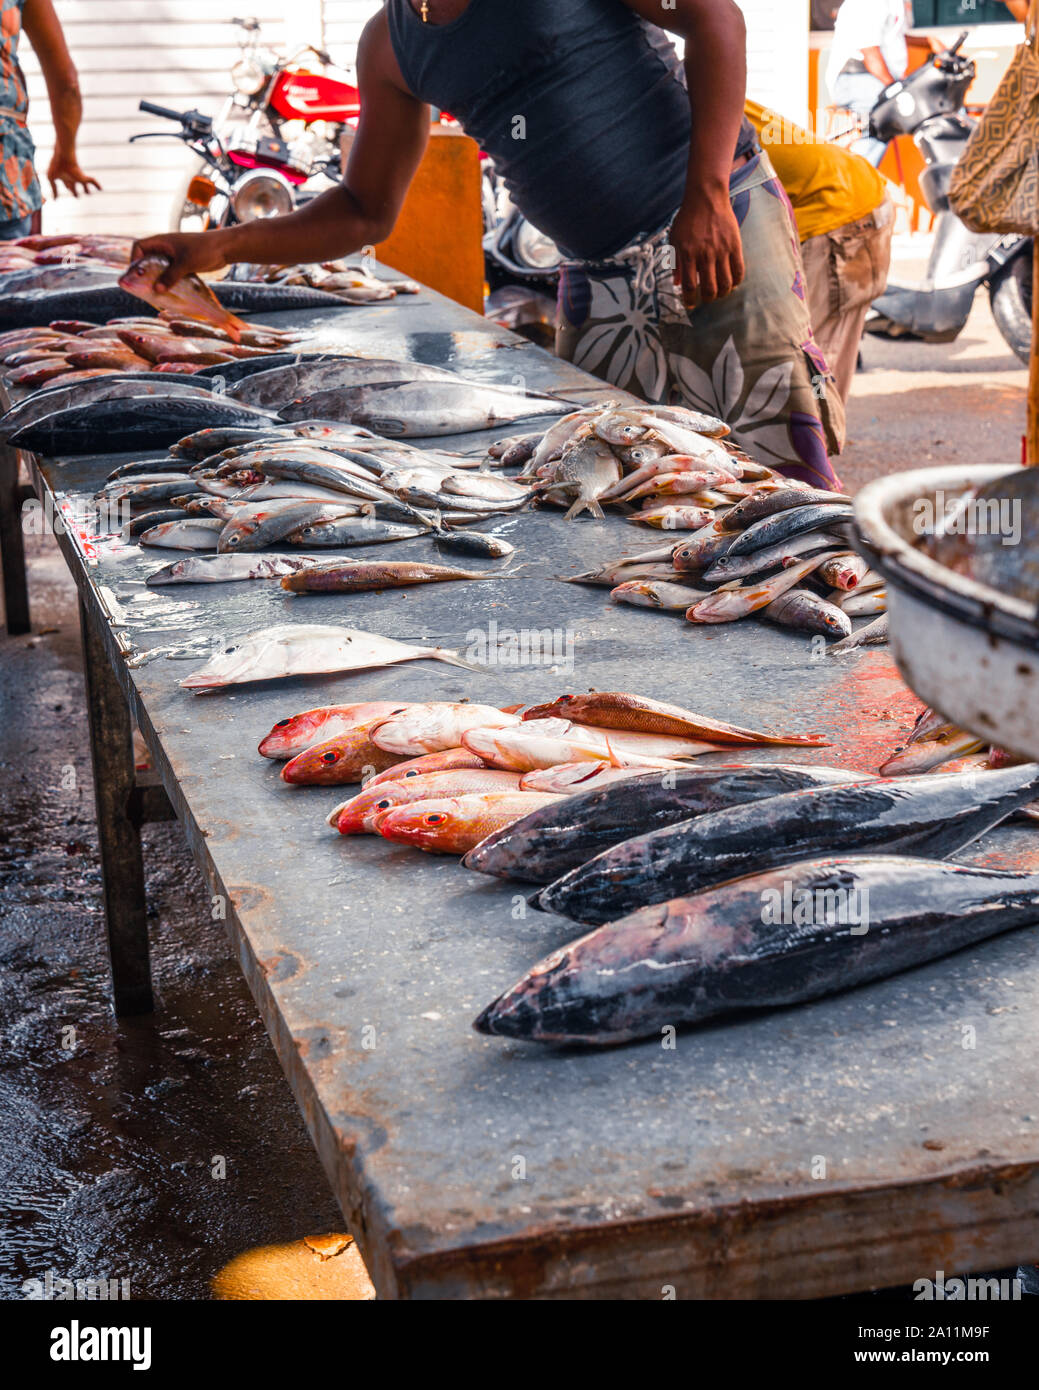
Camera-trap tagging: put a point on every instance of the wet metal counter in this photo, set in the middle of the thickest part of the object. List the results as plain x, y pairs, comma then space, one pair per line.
863, 1140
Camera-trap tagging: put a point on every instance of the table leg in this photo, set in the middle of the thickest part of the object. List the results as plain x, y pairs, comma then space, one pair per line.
122, 866
12, 546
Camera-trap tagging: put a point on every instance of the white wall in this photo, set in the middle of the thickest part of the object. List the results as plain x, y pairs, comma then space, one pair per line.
179, 53
777, 55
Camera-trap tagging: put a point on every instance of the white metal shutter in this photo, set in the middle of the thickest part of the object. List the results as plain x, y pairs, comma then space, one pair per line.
177, 53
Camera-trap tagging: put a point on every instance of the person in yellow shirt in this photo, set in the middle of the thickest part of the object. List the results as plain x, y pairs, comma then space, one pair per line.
844, 221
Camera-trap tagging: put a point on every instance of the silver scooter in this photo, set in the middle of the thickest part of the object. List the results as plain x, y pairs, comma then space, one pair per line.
928, 105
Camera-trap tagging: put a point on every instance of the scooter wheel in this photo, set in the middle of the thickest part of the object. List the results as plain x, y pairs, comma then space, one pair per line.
1011, 297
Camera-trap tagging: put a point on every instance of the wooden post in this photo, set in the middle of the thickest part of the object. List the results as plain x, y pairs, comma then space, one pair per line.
118, 828
1032, 453
12, 544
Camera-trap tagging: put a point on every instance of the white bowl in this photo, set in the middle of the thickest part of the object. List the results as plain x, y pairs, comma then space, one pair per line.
964, 648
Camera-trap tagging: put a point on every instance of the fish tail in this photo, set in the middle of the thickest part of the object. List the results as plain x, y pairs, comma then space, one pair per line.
585, 504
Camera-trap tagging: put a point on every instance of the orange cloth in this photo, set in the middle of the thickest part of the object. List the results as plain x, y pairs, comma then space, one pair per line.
828, 186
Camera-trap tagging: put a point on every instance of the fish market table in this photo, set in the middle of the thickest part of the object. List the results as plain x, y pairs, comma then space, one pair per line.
863, 1140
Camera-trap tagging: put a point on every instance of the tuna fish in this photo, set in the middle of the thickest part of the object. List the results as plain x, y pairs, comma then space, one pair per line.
933, 815
771, 939
559, 838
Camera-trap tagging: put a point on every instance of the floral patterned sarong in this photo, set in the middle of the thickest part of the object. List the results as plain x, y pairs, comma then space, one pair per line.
749, 358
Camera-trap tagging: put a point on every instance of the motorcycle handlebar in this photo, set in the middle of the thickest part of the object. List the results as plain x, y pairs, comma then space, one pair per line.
165, 111
190, 120
960, 42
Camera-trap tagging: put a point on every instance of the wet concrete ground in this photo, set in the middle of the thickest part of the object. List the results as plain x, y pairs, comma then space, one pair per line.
920, 405
110, 1134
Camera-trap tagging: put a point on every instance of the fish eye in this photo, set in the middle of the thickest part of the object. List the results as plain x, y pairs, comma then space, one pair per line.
434, 818
283, 723
412, 773
232, 540
384, 804
331, 757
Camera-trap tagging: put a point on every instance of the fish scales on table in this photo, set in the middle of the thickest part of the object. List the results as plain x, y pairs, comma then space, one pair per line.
933, 815
692, 958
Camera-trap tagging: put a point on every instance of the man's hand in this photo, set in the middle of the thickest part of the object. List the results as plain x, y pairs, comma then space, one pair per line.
64, 169
189, 253
706, 238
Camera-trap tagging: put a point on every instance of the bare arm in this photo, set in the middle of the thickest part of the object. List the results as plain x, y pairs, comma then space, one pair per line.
388, 148
874, 61
44, 32
1018, 8
705, 233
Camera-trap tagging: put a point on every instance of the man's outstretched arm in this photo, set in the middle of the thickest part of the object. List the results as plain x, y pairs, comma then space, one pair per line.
43, 30
705, 234
391, 139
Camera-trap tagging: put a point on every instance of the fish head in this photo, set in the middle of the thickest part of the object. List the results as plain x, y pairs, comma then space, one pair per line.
441, 825
330, 762
360, 815
294, 735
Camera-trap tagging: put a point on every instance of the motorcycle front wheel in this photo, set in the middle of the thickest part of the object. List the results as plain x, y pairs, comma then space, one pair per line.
1010, 293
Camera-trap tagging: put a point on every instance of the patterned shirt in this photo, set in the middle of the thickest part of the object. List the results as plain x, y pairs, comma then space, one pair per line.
19, 188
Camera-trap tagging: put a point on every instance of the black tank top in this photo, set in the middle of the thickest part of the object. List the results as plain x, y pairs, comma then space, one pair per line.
582, 105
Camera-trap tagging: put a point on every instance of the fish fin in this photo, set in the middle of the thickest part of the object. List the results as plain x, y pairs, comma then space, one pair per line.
732, 584
452, 659
614, 760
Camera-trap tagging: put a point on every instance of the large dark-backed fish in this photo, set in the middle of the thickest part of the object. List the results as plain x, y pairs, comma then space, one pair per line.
134, 422
559, 838
760, 942
111, 386
933, 815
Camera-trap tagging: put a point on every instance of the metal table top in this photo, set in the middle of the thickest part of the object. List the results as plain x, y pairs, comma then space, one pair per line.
851, 1142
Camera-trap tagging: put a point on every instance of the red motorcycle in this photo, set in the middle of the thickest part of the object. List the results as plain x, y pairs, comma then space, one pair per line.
275, 143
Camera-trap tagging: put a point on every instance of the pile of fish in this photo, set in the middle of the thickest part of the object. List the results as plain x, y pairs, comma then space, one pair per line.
66, 351
783, 554
350, 283
704, 904
314, 485
937, 745
442, 776
682, 869
386, 397
53, 262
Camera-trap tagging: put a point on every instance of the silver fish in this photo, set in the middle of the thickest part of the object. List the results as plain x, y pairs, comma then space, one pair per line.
307, 649
427, 407
197, 533
808, 612
872, 635
222, 569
